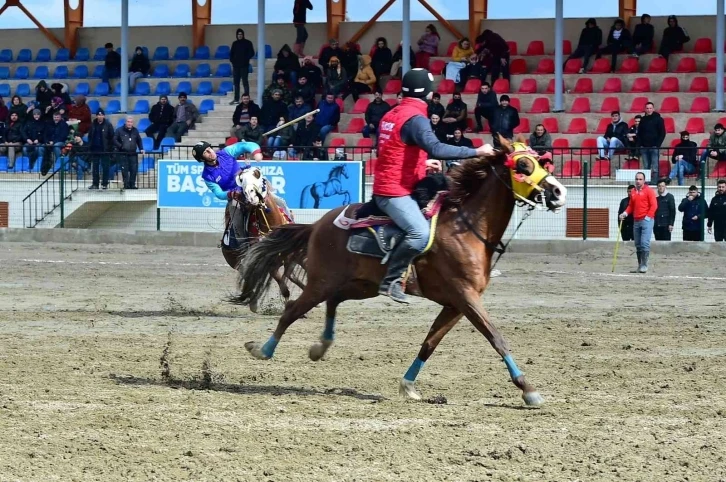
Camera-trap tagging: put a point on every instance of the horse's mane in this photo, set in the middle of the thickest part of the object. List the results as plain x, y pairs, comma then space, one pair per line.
339, 168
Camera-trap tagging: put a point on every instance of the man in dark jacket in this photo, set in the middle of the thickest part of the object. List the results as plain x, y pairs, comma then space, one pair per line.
694, 210
459, 140
34, 133
674, 36
618, 41
299, 19
374, 114
665, 215
55, 139
486, 102
161, 117
717, 212
684, 158
251, 132
588, 44
632, 138
505, 119
112, 64
306, 133
329, 51
286, 66
651, 134
305, 89
493, 45
297, 109
435, 106
243, 113
185, 116
312, 73
100, 145
139, 67
271, 111
614, 138
626, 228
329, 116
127, 140
643, 36
240, 55
455, 114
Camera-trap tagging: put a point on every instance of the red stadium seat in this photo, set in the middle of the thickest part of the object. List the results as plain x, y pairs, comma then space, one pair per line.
602, 126
501, 86
535, 47
601, 168
545, 66
566, 47
578, 125
613, 85
711, 65
370, 165
340, 104
551, 87
446, 87
360, 106
581, 105
572, 169
437, 66
451, 48
518, 67
393, 86
700, 105
477, 142
686, 65
633, 163
472, 86
638, 105
589, 146
355, 126
560, 146
584, 86
393, 102
551, 124
629, 66
641, 85
601, 66
719, 171
374, 47
364, 145
337, 142
670, 84
703, 46
658, 65
528, 86
695, 125
699, 84
670, 105
670, 125
512, 47
514, 102
541, 105
675, 142
523, 127
573, 66
610, 104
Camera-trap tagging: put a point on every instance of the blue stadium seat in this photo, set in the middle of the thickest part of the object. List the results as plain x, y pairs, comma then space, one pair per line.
184, 86
181, 53
97, 72
143, 49
6, 55
117, 89
22, 164
144, 124
22, 72
206, 105
82, 55
3, 164
100, 54
23, 90
204, 88
166, 144
4, 90
80, 72
146, 142
101, 89
113, 107
82, 89
62, 55
163, 88
61, 72
268, 52
223, 70
141, 107
250, 69
41, 72
161, 53
144, 164
25, 55
4, 73
120, 122
161, 71
202, 53
142, 88
94, 105
181, 70
222, 52
43, 55
225, 86
203, 70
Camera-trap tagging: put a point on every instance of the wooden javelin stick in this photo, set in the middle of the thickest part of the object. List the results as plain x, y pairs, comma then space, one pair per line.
294, 121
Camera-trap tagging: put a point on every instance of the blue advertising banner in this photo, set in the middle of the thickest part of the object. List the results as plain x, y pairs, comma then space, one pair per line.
302, 184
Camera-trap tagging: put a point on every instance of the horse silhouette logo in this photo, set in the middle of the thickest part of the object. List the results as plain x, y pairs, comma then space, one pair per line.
332, 187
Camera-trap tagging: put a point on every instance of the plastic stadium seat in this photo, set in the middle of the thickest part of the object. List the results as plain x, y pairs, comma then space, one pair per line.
719, 170
355, 126
225, 86
670, 84
146, 142
22, 72
699, 84
581, 105
181, 53
638, 105
541, 105
658, 65
670, 125
670, 105
5, 90
695, 125
641, 85
25, 55
113, 107
572, 169
514, 102
80, 72
578, 125
572, 66
360, 107
63, 55
4, 73
94, 105
501, 86
101, 89
100, 54
613, 85
551, 87
528, 86
589, 146
339, 101
222, 52
560, 146
117, 89
601, 168
161, 53
82, 88
566, 47
204, 88
61, 72
450, 49
518, 67
523, 126
120, 123
43, 55
633, 163
551, 124
82, 55
97, 72
223, 70
437, 66
703, 46
203, 70
185, 86
142, 88
584, 86
161, 71
141, 107
472, 86
700, 105
629, 66
202, 53
512, 47
535, 47
601, 66
6, 55
393, 86
166, 144
686, 65
477, 142
23, 90
445, 87
711, 65
41, 72
205, 106
610, 104
545, 66
181, 70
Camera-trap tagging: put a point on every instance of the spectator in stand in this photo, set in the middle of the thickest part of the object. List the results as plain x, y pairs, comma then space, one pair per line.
127, 140
243, 113
305, 135
251, 132
329, 115
459, 140
428, 46
439, 128
486, 103
477, 67
281, 86
272, 110
684, 158
455, 114
317, 152
185, 116
626, 225
139, 67
297, 109
299, 19
632, 138
282, 139
615, 136
365, 80
34, 131
17, 106
665, 215
240, 54
61, 91
619, 41
435, 107
112, 65
374, 113
56, 107
716, 148
397, 67
642, 206
286, 66
673, 39
43, 97
82, 113
55, 140
100, 145
643, 36
717, 212
588, 44
351, 59
4, 111
336, 80
694, 211
399, 98
381, 61
12, 138
505, 119
161, 117
459, 59
492, 44
306, 90
651, 134
328, 52
312, 73
540, 140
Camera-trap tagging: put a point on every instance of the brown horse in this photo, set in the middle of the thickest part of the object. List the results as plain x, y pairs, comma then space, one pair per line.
454, 272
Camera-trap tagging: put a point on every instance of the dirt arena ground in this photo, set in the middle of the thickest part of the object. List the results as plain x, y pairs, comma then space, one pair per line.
632, 367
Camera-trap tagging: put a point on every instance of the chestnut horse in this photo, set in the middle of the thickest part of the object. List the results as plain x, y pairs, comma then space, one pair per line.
454, 272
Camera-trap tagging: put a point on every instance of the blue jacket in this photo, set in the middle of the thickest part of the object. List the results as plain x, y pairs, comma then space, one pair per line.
294, 111
329, 114
220, 178
697, 207
57, 132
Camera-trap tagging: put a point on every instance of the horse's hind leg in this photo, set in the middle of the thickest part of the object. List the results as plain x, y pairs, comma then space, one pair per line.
318, 349
284, 290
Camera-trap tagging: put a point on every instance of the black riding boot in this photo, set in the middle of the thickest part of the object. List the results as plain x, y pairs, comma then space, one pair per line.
640, 262
392, 284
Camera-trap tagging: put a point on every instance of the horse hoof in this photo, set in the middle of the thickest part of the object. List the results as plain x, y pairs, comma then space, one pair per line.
255, 350
533, 399
407, 389
253, 307
318, 349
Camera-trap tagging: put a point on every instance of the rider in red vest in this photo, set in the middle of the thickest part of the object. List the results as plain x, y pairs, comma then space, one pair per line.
407, 149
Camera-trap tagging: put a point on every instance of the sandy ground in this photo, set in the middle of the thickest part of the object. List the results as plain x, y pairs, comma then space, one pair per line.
632, 368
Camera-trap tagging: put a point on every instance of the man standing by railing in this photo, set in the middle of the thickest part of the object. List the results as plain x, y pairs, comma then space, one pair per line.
642, 205
100, 144
126, 140
651, 134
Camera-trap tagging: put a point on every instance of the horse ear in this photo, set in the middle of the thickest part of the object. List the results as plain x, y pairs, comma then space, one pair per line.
257, 173
506, 145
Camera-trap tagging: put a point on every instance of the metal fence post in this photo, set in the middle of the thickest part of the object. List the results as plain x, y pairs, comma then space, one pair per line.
62, 190
703, 197
584, 199
158, 219
363, 182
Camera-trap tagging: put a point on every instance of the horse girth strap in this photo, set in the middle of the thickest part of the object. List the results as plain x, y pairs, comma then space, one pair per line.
496, 247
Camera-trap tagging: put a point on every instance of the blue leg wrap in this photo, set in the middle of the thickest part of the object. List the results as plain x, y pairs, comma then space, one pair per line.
512, 367
329, 331
412, 372
268, 349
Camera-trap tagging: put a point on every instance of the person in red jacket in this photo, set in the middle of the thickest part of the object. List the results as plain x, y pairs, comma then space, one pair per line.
642, 206
407, 149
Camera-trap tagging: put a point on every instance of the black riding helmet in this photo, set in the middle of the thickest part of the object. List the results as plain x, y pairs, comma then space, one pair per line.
198, 150
417, 83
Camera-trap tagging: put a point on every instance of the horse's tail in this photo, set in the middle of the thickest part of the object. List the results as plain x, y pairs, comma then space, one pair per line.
305, 195
286, 245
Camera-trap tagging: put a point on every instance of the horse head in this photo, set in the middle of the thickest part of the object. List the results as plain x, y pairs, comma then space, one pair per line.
253, 184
